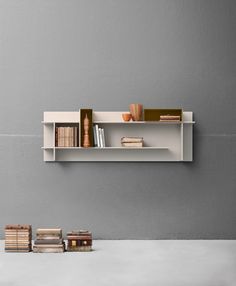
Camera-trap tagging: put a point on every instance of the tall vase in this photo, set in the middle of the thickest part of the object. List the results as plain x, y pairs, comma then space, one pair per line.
136, 111
86, 142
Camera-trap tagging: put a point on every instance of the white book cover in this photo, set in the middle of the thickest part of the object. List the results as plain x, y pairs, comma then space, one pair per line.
98, 139
95, 136
103, 138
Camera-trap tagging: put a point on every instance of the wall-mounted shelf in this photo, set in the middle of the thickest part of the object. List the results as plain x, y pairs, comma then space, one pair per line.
163, 141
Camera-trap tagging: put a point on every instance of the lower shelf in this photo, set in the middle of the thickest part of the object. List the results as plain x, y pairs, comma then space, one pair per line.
112, 154
105, 148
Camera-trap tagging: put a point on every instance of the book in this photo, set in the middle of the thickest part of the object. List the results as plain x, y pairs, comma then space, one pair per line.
48, 241
79, 248
132, 144
18, 227
49, 231
49, 249
131, 139
103, 138
18, 238
50, 245
97, 135
79, 240
100, 137
168, 117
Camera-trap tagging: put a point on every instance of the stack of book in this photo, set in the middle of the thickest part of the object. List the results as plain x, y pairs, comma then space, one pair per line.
132, 142
49, 240
66, 137
79, 240
18, 238
99, 137
172, 118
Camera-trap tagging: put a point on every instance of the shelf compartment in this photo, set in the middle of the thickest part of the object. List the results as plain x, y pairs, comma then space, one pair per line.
106, 148
113, 154
144, 122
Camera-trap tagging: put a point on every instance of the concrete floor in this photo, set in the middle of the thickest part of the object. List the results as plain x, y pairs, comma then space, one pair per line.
126, 262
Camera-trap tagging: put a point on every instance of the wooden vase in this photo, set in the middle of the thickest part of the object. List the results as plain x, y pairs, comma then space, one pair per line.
86, 142
136, 111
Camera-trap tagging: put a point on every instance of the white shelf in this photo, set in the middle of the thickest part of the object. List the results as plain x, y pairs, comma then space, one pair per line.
106, 148
164, 141
143, 122
47, 148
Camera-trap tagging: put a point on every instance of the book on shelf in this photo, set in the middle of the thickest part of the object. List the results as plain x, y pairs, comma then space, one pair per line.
99, 136
132, 141
132, 144
103, 138
95, 140
66, 136
174, 118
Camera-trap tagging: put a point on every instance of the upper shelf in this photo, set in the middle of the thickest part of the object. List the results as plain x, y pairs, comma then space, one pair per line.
106, 117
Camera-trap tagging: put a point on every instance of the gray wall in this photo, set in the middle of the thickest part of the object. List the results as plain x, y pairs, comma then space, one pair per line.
63, 55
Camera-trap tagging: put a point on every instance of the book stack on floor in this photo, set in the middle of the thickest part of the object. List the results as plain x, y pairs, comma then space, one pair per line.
99, 137
18, 238
170, 118
79, 241
49, 240
132, 142
66, 137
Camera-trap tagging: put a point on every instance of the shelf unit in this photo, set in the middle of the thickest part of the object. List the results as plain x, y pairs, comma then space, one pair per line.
163, 141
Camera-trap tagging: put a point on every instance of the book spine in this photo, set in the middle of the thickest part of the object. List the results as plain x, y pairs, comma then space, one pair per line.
73, 137
67, 139
95, 136
56, 137
76, 137
103, 138
62, 136
98, 139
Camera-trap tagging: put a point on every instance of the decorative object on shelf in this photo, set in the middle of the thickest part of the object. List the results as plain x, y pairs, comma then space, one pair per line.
136, 111
49, 240
86, 130
132, 141
79, 240
86, 142
126, 116
18, 238
157, 114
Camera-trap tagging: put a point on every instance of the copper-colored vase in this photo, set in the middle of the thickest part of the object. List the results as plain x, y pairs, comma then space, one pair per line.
86, 142
136, 111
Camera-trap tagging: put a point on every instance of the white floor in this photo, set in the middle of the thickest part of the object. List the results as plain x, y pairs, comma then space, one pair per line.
126, 262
